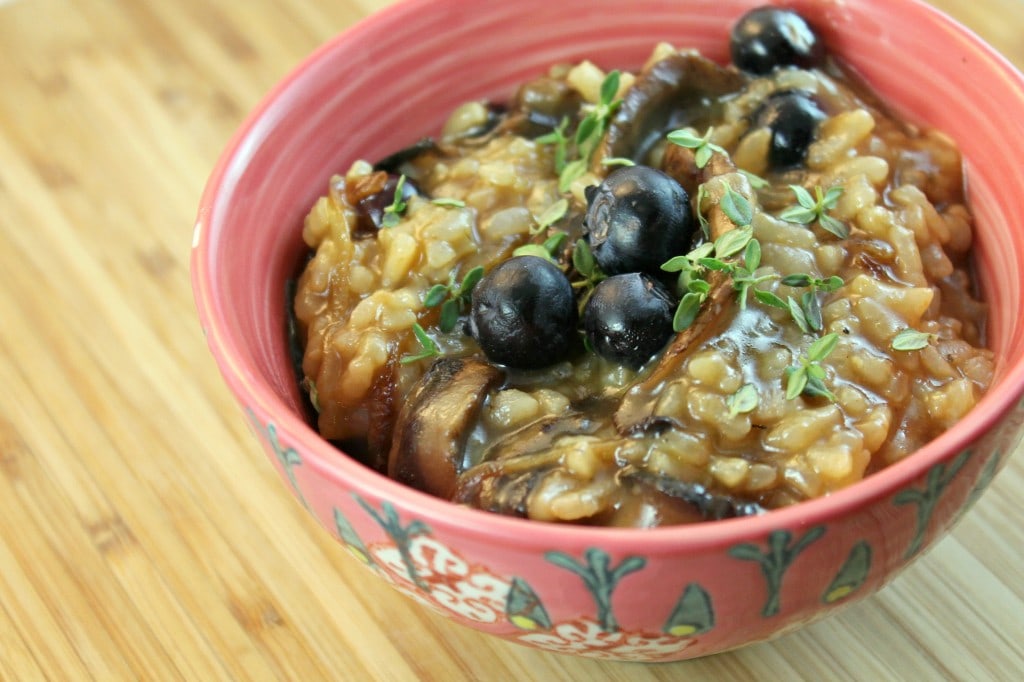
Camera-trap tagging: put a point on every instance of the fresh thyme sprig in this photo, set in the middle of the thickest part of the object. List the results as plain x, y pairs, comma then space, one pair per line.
815, 208
808, 376
703, 148
428, 347
717, 256
736, 207
691, 282
586, 266
806, 311
453, 298
588, 134
393, 213
557, 137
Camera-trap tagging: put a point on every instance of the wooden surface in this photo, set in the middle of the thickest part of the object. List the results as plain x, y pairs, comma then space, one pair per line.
144, 535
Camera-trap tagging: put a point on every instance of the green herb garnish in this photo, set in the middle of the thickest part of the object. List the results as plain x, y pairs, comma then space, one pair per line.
717, 256
808, 377
806, 311
743, 401
705, 227
702, 147
810, 209
736, 207
393, 213
910, 339
557, 138
551, 215
743, 279
585, 264
587, 137
453, 298
428, 347
546, 250
695, 289
448, 202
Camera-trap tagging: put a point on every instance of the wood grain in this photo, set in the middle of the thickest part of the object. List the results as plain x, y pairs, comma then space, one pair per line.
144, 537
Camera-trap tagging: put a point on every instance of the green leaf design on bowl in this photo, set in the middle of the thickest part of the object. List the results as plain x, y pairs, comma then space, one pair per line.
693, 614
288, 457
401, 535
927, 498
775, 561
348, 535
524, 608
851, 575
600, 578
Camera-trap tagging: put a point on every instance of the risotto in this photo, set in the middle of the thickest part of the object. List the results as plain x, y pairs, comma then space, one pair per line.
683, 293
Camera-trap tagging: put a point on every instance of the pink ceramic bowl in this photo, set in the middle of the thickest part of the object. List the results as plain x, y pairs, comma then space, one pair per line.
663, 594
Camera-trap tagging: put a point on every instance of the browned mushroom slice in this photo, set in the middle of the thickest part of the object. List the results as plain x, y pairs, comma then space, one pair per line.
432, 426
712, 505
572, 481
681, 164
504, 487
683, 89
540, 105
637, 405
541, 435
717, 176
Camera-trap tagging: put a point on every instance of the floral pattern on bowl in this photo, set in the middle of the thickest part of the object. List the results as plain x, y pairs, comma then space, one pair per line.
416, 563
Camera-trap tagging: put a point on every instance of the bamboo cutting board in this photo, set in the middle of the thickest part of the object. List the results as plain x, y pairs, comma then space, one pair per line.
144, 535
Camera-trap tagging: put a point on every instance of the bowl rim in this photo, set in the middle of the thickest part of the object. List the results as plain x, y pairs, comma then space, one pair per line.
331, 463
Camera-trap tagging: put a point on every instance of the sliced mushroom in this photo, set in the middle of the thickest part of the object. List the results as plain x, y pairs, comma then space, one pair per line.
540, 105
504, 487
713, 506
431, 430
683, 89
541, 435
638, 402
717, 176
681, 163
637, 406
568, 481
398, 162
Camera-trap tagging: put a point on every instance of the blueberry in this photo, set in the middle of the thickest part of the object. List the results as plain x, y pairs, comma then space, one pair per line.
769, 37
637, 219
523, 313
629, 318
793, 119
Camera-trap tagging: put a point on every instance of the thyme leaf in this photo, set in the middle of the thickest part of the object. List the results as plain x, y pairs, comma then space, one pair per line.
743, 401
428, 347
736, 207
815, 208
910, 339
393, 212
454, 298
808, 376
551, 215
702, 147
448, 202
